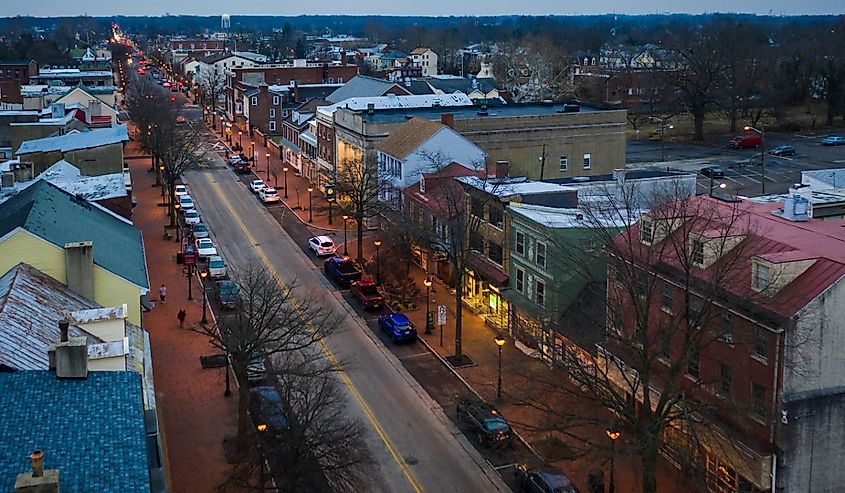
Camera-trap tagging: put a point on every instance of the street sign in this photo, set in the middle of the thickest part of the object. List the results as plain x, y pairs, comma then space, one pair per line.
441, 315
190, 258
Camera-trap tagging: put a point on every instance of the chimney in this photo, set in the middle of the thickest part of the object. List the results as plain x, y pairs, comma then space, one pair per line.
71, 358
63, 326
448, 119
79, 264
295, 91
502, 169
343, 57
39, 480
8, 179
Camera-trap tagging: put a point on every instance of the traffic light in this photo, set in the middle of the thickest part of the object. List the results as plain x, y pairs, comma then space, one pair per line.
330, 193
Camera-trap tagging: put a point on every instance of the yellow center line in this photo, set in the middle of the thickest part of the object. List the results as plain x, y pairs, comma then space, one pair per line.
326, 350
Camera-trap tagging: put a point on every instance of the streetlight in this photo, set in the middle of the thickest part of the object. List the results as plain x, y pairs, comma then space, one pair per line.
203, 275
178, 227
241, 139
267, 155
721, 185
285, 169
377, 243
228, 392
762, 156
427, 283
253, 151
613, 435
500, 341
310, 214
345, 218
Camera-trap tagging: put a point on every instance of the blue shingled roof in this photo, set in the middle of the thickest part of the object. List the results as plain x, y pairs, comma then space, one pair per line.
92, 430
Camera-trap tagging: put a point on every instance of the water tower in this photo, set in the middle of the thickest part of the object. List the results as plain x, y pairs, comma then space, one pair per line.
225, 21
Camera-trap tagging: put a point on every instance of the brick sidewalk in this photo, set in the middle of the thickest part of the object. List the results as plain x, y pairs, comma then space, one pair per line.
195, 415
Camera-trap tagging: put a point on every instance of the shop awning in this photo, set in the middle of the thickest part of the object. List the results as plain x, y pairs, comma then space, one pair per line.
487, 270
290, 145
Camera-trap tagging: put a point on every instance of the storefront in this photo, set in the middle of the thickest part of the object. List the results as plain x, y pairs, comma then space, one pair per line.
483, 288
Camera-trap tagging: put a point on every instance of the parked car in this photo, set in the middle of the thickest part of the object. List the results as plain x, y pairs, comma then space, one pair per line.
205, 247
216, 267
268, 195
746, 141
199, 230
256, 185
366, 291
181, 120
713, 172
398, 327
256, 370
268, 410
342, 270
243, 167
235, 160
186, 203
833, 140
782, 150
226, 293
542, 480
655, 136
192, 217
180, 190
322, 245
490, 426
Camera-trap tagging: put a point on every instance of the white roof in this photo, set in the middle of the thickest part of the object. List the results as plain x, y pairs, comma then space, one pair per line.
75, 72
554, 217
399, 102
100, 187
508, 187
76, 140
834, 177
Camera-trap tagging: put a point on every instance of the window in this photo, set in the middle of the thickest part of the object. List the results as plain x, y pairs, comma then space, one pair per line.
275, 100
340, 80
587, 160
477, 208
697, 251
695, 307
495, 253
762, 276
520, 280
694, 362
758, 399
272, 126
665, 341
646, 231
666, 298
272, 113
725, 378
541, 254
761, 343
496, 217
727, 334
253, 101
541, 293
520, 243
564, 164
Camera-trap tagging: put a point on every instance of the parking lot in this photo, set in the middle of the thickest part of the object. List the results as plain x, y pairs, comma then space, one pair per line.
743, 172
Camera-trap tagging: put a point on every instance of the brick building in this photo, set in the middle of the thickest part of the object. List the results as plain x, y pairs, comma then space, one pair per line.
13, 75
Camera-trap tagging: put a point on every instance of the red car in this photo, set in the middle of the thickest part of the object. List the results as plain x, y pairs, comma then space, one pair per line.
367, 293
746, 141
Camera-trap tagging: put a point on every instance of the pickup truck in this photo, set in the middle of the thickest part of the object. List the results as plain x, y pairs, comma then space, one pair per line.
342, 270
367, 293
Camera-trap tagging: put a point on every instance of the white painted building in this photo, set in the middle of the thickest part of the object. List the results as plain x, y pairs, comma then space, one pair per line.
426, 59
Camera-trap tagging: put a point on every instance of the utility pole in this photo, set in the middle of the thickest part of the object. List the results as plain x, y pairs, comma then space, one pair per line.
543, 163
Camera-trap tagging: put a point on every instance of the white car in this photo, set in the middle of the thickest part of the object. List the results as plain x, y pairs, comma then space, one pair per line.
216, 267
256, 185
205, 247
192, 217
268, 194
322, 245
180, 190
186, 203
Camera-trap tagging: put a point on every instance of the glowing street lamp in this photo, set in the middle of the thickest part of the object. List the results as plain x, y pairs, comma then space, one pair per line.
500, 341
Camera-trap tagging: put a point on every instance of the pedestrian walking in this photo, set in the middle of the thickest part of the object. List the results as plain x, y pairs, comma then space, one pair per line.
181, 316
162, 293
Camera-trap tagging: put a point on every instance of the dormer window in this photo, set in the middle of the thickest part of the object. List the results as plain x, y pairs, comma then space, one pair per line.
422, 183
646, 231
697, 256
762, 276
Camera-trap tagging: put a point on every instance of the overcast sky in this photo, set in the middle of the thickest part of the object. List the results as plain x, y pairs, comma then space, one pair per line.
45, 8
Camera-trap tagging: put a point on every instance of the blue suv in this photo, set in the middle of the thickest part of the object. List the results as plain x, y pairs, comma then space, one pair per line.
398, 327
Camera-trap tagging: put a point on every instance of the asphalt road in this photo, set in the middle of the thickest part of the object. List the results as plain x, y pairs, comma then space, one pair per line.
415, 446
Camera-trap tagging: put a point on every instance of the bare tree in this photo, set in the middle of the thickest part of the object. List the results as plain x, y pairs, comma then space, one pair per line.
534, 70
212, 84
361, 188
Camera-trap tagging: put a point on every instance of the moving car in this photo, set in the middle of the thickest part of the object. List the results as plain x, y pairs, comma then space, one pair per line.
192, 217
398, 327
180, 190
205, 247
243, 167
542, 480
713, 172
746, 141
366, 291
199, 230
342, 270
490, 426
833, 140
216, 267
783, 150
322, 245
256, 185
268, 195
186, 203
268, 410
226, 293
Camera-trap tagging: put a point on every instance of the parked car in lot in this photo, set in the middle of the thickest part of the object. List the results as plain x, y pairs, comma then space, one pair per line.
186, 203
192, 217
268, 410
256, 185
199, 230
243, 167
782, 150
216, 267
205, 247
542, 480
180, 190
490, 426
226, 293
746, 141
398, 327
713, 172
342, 270
322, 245
366, 291
833, 140
655, 136
268, 195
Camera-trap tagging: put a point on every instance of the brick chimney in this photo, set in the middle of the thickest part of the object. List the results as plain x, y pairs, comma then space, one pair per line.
448, 119
343, 57
79, 264
39, 480
502, 169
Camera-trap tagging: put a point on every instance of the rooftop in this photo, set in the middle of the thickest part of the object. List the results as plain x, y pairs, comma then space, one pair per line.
360, 86
401, 103
470, 111
409, 136
91, 429
76, 140
834, 177
72, 72
560, 217
509, 187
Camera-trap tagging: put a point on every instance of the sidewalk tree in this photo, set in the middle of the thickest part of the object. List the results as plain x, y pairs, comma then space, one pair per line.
359, 185
212, 84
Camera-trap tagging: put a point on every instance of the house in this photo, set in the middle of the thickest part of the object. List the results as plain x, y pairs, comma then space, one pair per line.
181, 48
479, 89
426, 59
40, 96
13, 75
421, 146
95, 252
363, 86
95, 60
99, 107
94, 152
56, 120
298, 144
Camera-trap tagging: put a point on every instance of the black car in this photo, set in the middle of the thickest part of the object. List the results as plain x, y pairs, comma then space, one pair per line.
544, 480
713, 172
243, 167
783, 150
268, 410
490, 426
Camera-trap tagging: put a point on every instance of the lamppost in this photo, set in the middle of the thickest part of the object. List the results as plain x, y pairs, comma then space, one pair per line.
241, 139
161, 178
762, 156
721, 185
310, 214
613, 435
178, 226
377, 243
345, 218
267, 155
227, 392
285, 169
203, 275
500, 341
427, 283
253, 151
663, 127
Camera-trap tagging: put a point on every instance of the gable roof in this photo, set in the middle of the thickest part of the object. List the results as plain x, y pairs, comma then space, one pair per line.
58, 217
362, 86
409, 136
420, 50
76, 140
91, 429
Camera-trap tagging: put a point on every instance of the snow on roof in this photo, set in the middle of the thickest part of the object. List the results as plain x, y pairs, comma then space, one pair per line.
73, 72
508, 187
557, 217
834, 177
399, 102
100, 187
76, 140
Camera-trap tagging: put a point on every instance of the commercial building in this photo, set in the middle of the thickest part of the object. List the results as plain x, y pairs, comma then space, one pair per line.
94, 152
13, 75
